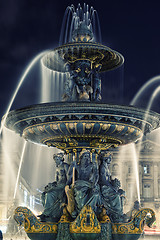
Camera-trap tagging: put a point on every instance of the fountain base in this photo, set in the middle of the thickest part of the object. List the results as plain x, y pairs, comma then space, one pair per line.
86, 226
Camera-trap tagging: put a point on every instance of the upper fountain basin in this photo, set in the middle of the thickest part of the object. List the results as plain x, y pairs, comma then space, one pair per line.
71, 52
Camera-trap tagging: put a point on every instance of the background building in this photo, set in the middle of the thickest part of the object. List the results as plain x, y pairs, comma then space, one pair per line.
147, 173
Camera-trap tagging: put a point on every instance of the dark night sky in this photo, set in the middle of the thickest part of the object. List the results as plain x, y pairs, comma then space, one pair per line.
28, 27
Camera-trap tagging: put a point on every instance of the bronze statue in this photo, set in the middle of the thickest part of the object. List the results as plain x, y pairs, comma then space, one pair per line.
54, 193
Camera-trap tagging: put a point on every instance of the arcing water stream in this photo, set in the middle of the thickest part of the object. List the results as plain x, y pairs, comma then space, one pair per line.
148, 108
141, 91
31, 64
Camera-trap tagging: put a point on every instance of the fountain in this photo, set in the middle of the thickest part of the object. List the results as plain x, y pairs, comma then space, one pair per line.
84, 202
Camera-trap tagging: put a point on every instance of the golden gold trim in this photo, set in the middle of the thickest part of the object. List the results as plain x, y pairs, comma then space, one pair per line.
84, 137
32, 224
80, 225
130, 228
84, 121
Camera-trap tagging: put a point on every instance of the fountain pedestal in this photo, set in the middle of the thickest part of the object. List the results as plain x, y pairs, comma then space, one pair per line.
85, 226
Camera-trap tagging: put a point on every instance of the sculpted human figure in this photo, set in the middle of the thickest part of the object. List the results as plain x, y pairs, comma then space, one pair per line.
54, 193
110, 192
70, 85
134, 210
86, 189
105, 159
78, 84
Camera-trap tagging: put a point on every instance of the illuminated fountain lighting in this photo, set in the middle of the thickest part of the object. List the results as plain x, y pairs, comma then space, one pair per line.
53, 77
136, 152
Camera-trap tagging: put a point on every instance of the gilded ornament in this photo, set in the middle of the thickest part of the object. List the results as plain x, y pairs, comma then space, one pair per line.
130, 227
31, 223
119, 128
31, 130
54, 126
82, 225
71, 126
89, 125
41, 128
106, 126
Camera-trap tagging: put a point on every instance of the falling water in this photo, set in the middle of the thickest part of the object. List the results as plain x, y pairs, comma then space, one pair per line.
153, 96
73, 16
52, 84
10, 158
144, 88
19, 169
140, 93
127, 157
96, 28
136, 169
64, 28
31, 64
46, 75
151, 100
11, 150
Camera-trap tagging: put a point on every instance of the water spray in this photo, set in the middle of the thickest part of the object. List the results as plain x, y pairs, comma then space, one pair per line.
144, 87
29, 67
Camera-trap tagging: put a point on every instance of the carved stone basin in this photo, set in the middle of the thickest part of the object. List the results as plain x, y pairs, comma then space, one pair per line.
69, 125
100, 54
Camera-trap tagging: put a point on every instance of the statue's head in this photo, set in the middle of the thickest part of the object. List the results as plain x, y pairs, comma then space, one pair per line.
116, 183
84, 157
105, 157
136, 205
58, 158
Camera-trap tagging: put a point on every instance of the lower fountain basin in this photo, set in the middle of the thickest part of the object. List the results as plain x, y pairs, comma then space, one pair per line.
74, 124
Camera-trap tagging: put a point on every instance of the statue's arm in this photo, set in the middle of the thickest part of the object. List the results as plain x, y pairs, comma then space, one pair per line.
70, 172
66, 167
95, 174
57, 177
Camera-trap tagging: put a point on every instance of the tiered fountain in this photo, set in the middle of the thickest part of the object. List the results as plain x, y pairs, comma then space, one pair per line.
84, 202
